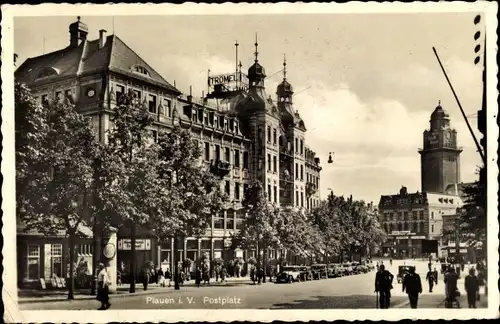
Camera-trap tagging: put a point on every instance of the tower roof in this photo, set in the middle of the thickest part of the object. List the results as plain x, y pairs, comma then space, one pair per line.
78, 25
439, 113
284, 87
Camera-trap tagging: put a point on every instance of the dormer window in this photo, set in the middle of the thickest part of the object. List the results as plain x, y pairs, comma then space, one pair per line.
47, 72
141, 70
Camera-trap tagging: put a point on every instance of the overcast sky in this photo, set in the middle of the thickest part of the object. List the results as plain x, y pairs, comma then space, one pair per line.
373, 78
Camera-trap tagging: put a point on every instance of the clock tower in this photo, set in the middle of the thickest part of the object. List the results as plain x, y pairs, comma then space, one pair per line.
440, 156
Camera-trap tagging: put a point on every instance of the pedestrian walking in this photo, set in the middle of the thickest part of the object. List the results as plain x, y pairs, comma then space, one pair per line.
252, 275
430, 279
413, 286
451, 289
160, 278
145, 278
198, 277
472, 288
390, 262
436, 274
383, 286
223, 275
168, 277
103, 283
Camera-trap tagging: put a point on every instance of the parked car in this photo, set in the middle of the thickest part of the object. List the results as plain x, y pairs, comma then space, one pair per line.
319, 271
402, 272
289, 274
334, 271
348, 270
306, 273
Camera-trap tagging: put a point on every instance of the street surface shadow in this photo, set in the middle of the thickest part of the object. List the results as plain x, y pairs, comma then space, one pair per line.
329, 302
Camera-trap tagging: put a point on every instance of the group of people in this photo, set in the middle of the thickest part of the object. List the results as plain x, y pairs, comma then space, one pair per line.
412, 285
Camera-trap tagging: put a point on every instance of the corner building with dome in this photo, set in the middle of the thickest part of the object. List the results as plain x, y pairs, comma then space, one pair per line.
245, 135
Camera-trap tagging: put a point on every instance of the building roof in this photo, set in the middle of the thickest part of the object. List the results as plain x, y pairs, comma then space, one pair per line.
88, 58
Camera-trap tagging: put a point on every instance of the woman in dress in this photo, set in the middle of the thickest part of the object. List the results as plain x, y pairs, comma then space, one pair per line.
103, 282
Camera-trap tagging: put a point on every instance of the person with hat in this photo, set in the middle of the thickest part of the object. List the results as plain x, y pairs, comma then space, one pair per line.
413, 286
383, 286
103, 283
472, 288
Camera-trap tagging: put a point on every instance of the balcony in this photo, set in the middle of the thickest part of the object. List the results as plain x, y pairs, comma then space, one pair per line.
310, 189
220, 168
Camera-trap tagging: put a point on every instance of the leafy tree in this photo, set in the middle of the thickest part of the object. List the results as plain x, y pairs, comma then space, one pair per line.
55, 150
189, 194
129, 172
259, 229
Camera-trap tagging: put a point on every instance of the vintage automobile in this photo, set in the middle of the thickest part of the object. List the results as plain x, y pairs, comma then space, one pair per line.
348, 269
334, 270
319, 271
403, 270
305, 273
289, 274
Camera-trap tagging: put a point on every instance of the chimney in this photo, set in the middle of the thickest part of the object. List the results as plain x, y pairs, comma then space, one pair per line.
102, 38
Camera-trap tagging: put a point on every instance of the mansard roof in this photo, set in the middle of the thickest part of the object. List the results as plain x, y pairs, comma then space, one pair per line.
88, 58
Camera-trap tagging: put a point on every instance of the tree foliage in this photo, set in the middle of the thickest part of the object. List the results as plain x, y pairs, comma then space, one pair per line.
472, 217
55, 153
189, 193
260, 227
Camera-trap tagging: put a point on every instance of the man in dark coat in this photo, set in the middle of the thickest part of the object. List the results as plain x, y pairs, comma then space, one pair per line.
472, 288
383, 285
413, 286
431, 279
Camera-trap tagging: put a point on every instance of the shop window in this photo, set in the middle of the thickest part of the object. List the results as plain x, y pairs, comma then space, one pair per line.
56, 260
206, 244
33, 262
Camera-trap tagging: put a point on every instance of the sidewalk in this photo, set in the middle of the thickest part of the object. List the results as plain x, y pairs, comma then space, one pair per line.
36, 295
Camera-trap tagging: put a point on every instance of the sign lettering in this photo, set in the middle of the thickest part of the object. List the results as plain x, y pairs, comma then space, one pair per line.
140, 244
221, 79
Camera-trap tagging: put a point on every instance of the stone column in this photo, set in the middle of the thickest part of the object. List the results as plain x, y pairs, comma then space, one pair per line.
109, 254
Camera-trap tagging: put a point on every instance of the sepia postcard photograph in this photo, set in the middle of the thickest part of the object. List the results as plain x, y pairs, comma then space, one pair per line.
204, 162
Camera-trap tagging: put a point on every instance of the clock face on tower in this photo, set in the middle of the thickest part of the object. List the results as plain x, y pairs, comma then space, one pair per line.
90, 93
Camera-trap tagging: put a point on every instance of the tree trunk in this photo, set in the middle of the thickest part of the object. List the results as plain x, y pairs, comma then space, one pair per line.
265, 265
132, 257
71, 291
176, 265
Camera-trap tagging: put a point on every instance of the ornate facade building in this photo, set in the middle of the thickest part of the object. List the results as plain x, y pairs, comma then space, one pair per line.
251, 137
